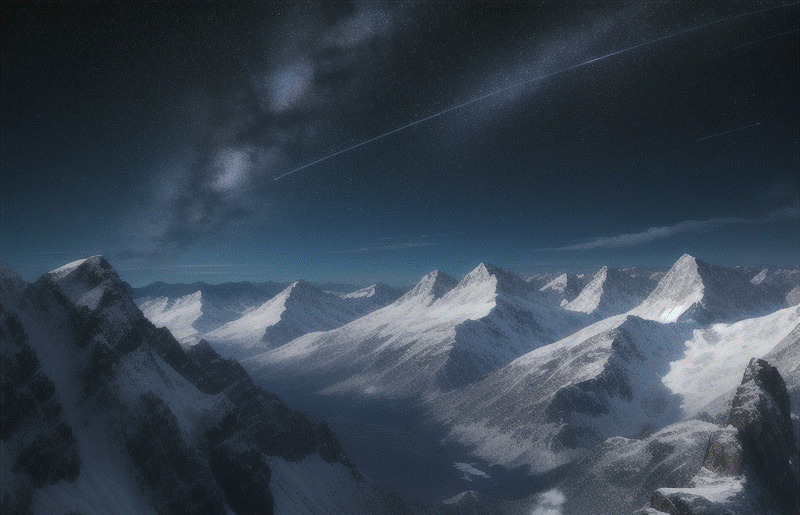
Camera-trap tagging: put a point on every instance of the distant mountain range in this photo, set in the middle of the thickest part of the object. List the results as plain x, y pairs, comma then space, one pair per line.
621, 391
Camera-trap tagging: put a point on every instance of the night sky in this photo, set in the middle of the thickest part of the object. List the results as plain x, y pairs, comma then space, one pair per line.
588, 134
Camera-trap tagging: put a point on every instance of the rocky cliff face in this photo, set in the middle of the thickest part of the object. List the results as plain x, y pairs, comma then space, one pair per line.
760, 413
116, 400
38, 447
750, 465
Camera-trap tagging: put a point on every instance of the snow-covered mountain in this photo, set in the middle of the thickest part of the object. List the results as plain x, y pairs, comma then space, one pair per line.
541, 279
624, 374
618, 398
438, 336
602, 381
191, 310
707, 374
611, 292
105, 413
750, 465
695, 290
566, 287
178, 315
786, 281
299, 309
372, 297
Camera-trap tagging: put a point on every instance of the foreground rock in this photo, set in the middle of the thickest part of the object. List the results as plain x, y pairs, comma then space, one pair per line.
750, 466
105, 413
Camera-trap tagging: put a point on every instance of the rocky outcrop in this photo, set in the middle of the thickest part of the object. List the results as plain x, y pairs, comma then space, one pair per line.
179, 431
724, 455
39, 447
750, 465
760, 413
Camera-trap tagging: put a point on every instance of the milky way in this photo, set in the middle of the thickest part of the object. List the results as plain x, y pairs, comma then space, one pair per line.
543, 77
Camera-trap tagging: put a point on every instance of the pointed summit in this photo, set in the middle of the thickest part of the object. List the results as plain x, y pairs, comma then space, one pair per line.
695, 290
491, 279
566, 286
611, 292
430, 288
93, 283
299, 309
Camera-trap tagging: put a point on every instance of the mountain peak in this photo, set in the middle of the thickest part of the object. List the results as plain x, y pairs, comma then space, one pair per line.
369, 291
97, 262
302, 287
693, 289
430, 288
487, 280
87, 281
566, 286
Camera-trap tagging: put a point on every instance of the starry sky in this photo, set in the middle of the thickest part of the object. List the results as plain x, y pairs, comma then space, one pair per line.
354, 142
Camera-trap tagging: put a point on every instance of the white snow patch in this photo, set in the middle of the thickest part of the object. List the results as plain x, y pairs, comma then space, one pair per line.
178, 315
549, 503
469, 471
715, 357
63, 271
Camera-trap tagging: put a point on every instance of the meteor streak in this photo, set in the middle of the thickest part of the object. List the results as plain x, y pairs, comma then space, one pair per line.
729, 131
536, 79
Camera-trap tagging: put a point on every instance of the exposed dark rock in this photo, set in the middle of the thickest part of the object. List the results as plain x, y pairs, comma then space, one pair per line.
177, 478
244, 476
42, 447
757, 450
183, 465
724, 454
760, 411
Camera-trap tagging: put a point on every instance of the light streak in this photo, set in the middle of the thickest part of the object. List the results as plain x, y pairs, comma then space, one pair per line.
530, 81
729, 131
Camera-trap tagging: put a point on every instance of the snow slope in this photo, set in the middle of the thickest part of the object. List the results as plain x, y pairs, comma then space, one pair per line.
611, 292
313, 486
601, 381
191, 310
694, 290
437, 336
620, 474
371, 298
714, 357
299, 309
566, 287
178, 315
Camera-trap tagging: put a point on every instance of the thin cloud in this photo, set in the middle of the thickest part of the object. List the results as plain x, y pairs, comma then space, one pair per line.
689, 226
396, 246
241, 134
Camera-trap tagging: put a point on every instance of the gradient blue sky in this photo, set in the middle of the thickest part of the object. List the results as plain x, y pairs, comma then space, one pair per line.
153, 135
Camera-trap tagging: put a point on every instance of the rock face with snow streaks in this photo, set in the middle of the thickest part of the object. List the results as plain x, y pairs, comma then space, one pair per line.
751, 465
601, 381
38, 447
760, 412
120, 418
